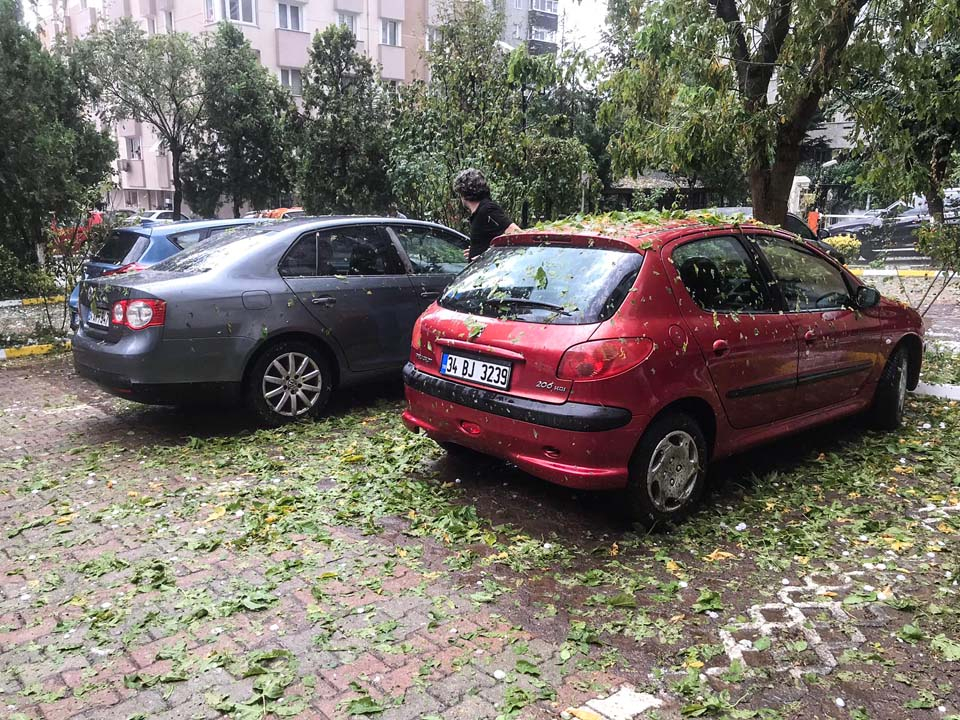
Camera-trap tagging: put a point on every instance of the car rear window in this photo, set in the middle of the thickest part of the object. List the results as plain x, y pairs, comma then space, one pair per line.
545, 284
121, 248
224, 247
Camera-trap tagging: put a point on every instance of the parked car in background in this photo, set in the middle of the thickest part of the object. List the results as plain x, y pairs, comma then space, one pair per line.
151, 217
135, 248
278, 315
629, 356
891, 234
284, 213
793, 224
72, 235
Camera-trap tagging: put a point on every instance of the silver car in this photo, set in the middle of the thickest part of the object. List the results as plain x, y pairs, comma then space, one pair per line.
280, 315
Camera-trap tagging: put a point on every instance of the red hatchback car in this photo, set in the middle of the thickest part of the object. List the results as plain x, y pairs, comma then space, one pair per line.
628, 355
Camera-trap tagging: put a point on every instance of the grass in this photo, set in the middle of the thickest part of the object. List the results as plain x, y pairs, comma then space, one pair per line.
941, 365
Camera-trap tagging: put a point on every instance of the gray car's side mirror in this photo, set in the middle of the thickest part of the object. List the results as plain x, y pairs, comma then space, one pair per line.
867, 297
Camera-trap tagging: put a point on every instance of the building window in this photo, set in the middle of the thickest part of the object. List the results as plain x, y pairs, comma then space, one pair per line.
289, 16
548, 6
517, 31
237, 10
209, 10
132, 199
432, 38
133, 148
543, 35
151, 26
518, 4
168, 21
291, 78
389, 32
348, 20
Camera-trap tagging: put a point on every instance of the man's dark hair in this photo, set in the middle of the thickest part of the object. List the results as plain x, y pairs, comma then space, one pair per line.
471, 184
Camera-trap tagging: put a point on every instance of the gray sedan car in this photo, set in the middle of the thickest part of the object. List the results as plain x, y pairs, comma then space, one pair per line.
279, 315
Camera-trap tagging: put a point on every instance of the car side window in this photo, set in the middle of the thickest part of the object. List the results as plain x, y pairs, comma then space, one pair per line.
301, 258
357, 250
185, 240
796, 226
431, 252
721, 276
806, 281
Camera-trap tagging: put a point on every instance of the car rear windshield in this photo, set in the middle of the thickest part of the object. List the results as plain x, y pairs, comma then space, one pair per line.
224, 247
121, 248
545, 284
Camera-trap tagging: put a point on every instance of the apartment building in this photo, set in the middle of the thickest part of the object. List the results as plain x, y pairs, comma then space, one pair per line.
533, 22
391, 32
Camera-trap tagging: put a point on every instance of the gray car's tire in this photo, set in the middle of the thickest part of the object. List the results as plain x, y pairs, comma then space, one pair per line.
891, 393
290, 380
668, 470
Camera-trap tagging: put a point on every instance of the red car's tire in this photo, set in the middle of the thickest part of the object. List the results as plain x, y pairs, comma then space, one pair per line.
668, 470
891, 393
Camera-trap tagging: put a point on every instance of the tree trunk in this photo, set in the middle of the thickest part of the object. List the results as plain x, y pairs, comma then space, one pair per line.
770, 185
938, 173
237, 202
175, 154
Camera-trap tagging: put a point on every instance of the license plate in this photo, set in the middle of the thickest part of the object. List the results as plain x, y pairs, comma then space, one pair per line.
100, 318
482, 372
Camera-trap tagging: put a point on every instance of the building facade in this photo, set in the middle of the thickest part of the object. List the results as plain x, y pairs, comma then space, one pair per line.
391, 32
533, 22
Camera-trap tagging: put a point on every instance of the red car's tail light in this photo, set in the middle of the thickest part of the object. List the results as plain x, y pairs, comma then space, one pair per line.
139, 314
415, 339
600, 359
124, 269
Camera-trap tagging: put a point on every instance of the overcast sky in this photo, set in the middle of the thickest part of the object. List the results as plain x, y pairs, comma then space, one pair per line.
584, 20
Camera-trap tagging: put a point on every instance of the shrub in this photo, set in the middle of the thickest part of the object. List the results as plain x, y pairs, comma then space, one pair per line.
847, 245
18, 279
941, 243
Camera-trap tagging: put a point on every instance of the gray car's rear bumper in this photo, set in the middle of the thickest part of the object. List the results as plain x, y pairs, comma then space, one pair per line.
146, 358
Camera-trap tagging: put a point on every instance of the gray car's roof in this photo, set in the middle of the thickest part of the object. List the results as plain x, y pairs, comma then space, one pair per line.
321, 221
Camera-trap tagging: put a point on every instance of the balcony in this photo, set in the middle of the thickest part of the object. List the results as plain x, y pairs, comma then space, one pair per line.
131, 174
541, 47
292, 48
392, 9
393, 60
351, 6
545, 20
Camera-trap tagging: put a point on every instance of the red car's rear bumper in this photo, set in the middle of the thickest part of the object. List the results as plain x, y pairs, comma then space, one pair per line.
592, 458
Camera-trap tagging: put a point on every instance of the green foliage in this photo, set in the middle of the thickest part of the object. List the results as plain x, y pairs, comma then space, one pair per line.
526, 121
907, 104
343, 135
690, 92
151, 79
240, 150
18, 278
941, 243
52, 153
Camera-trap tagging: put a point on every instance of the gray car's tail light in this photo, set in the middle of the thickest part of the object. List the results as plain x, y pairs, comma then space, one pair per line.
139, 314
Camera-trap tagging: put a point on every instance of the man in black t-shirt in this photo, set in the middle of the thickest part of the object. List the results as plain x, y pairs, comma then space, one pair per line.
487, 219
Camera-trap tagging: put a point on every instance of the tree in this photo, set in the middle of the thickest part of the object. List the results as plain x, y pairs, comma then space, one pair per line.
908, 111
155, 80
343, 133
52, 153
697, 80
503, 112
241, 150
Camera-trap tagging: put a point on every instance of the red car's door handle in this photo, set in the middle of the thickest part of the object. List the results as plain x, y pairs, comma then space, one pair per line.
720, 347
810, 335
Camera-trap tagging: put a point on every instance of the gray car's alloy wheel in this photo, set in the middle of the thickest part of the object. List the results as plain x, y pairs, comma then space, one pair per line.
289, 381
668, 470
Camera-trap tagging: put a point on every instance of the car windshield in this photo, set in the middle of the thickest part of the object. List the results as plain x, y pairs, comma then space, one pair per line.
224, 247
545, 284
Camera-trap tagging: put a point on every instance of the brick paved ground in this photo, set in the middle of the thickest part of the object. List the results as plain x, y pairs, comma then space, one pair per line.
157, 563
